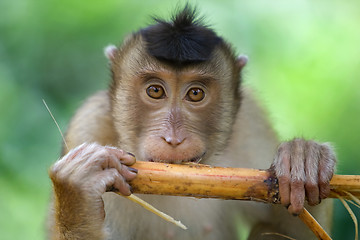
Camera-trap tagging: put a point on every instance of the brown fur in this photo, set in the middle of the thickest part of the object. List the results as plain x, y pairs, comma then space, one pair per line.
126, 118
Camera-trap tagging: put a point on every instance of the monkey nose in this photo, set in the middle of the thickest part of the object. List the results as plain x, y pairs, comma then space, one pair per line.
173, 141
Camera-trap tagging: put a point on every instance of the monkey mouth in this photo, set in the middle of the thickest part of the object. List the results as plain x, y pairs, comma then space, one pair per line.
196, 159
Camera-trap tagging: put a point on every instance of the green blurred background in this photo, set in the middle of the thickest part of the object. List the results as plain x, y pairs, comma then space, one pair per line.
304, 66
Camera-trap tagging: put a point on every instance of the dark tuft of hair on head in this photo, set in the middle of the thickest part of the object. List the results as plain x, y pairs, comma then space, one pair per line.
185, 39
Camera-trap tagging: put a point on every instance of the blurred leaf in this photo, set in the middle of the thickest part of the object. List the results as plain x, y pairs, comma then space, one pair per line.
304, 66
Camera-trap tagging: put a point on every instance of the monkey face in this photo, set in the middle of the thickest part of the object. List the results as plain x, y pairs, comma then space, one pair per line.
173, 114
178, 105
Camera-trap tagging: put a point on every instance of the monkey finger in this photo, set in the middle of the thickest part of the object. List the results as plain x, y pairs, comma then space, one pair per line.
128, 173
312, 193
124, 157
75, 152
90, 157
284, 189
72, 161
121, 185
312, 186
295, 211
324, 190
112, 180
326, 169
312, 155
324, 187
113, 162
298, 176
297, 197
282, 169
132, 173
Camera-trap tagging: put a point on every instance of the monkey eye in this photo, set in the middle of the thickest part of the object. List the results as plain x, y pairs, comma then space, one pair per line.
155, 91
195, 95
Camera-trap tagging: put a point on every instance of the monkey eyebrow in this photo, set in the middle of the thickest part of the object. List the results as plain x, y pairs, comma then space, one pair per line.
146, 73
150, 68
204, 79
200, 74
145, 77
194, 75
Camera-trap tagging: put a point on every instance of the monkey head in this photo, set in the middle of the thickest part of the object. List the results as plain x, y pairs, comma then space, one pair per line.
181, 85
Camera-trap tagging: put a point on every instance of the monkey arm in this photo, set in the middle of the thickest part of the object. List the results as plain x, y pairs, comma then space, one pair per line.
92, 123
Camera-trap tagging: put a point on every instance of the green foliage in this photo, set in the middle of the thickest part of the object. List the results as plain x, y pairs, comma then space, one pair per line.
304, 65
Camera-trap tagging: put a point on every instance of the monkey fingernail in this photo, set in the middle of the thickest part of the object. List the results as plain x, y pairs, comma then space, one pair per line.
131, 154
134, 170
111, 189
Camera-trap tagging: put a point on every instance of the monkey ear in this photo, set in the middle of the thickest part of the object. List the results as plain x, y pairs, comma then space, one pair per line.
110, 52
241, 61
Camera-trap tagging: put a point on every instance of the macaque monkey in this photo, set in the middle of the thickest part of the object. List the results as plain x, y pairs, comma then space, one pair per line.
175, 97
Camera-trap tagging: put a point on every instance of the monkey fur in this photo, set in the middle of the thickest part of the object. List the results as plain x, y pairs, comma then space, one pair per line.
176, 96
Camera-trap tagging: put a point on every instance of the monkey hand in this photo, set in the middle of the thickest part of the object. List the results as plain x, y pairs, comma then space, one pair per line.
82, 176
304, 168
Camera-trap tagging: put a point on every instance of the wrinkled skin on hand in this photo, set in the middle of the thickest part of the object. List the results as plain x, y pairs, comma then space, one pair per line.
304, 169
82, 176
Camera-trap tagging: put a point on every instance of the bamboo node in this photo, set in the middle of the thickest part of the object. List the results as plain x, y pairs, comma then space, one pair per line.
273, 186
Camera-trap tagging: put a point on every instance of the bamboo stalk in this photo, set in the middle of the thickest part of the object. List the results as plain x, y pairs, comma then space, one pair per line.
203, 181
313, 225
152, 209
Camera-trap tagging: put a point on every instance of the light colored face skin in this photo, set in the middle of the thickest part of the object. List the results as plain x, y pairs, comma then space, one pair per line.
173, 105
177, 101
